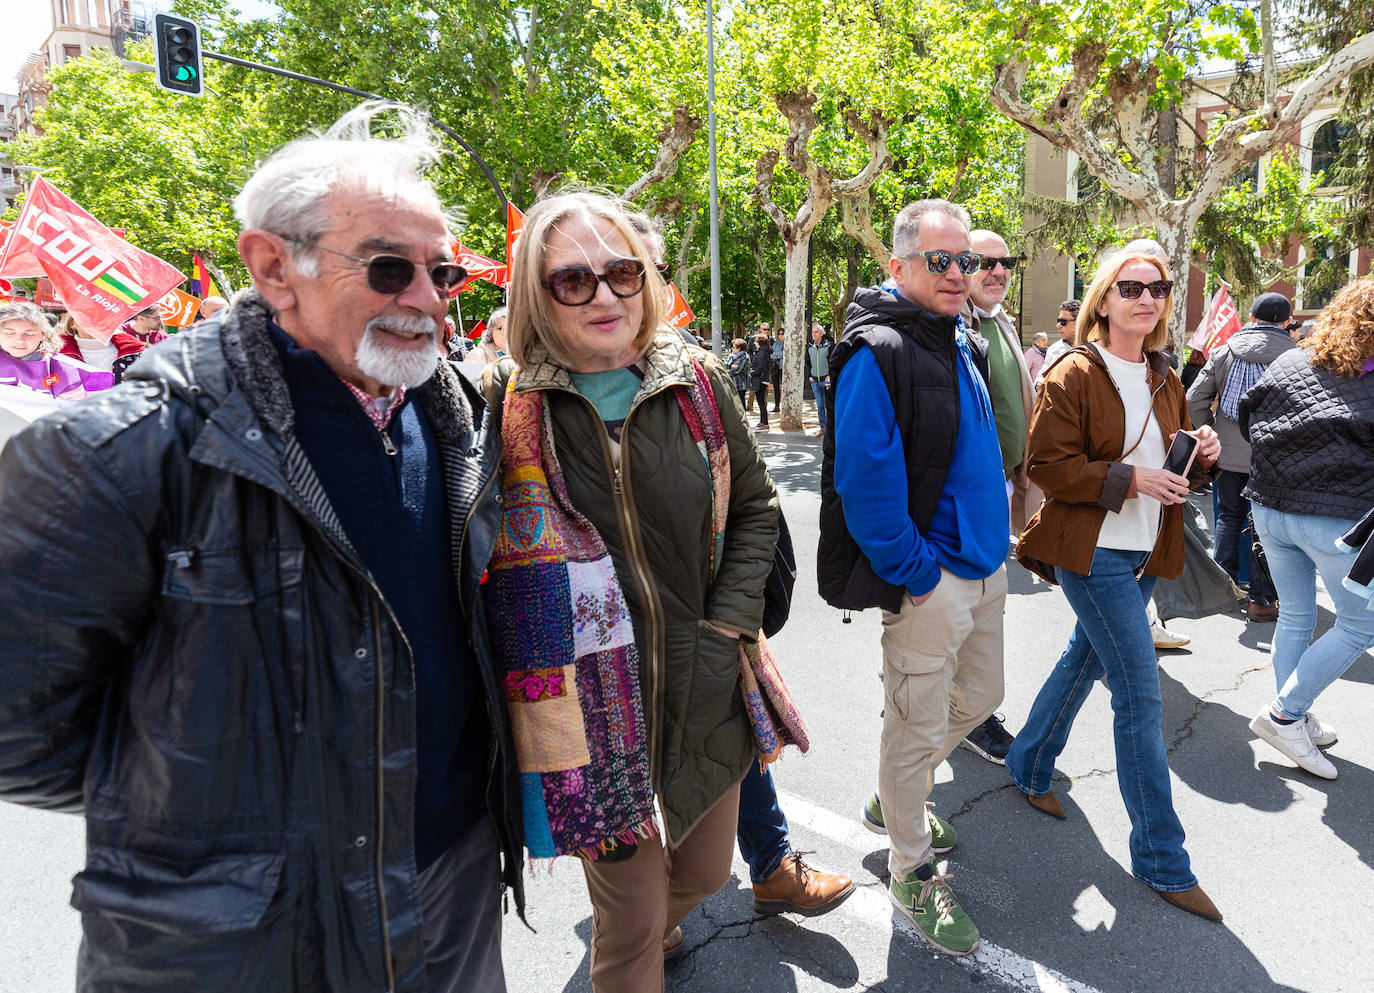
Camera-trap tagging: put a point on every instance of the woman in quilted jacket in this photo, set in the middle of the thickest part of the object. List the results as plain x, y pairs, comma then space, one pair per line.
638, 528
1310, 421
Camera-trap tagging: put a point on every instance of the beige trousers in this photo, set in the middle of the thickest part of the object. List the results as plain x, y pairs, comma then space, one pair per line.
942, 677
636, 903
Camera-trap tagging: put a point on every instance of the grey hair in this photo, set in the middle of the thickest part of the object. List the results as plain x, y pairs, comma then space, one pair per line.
496, 315
653, 238
23, 311
906, 228
287, 193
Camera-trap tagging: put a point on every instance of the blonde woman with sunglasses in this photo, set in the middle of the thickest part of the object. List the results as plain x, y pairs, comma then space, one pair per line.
1111, 526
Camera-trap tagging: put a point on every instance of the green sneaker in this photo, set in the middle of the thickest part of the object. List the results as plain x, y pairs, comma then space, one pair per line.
942, 836
931, 906
872, 816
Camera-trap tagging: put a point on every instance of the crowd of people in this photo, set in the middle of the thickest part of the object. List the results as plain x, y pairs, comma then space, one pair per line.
351, 635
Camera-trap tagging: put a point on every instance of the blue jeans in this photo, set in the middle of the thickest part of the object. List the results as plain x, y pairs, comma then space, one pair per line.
1112, 640
762, 828
1233, 549
1299, 547
818, 391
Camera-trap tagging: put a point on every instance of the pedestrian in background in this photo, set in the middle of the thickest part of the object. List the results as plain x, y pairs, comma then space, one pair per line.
1228, 374
818, 371
760, 374
738, 364
605, 414
1310, 422
1035, 355
493, 344
775, 370
1111, 525
1066, 323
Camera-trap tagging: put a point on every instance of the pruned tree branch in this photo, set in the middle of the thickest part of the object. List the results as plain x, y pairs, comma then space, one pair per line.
856, 220
763, 189
673, 142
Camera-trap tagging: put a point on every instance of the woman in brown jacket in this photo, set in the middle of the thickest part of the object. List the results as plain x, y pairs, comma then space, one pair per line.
1110, 526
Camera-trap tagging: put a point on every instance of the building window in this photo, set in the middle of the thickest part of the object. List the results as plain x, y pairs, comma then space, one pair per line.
1326, 270
1087, 183
1326, 149
70, 52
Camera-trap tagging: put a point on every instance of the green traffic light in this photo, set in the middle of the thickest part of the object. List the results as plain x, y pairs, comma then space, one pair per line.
185, 74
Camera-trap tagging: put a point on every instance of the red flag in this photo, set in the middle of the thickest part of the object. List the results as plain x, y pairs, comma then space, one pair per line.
1222, 321
477, 330
45, 297
6, 290
103, 279
677, 314
515, 223
478, 267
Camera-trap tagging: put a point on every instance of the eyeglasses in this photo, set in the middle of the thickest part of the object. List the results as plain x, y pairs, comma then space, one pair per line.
665, 269
1130, 289
938, 261
390, 274
990, 262
574, 285
1062, 322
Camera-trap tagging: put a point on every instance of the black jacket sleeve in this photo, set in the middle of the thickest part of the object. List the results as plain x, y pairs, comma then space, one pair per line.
76, 579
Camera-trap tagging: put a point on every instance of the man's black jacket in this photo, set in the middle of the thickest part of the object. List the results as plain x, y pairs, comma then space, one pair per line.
193, 655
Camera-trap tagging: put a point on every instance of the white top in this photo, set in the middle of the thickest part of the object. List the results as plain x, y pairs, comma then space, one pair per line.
1135, 528
98, 355
1053, 352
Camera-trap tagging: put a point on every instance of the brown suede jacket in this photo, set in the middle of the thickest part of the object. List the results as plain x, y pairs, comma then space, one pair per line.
1077, 436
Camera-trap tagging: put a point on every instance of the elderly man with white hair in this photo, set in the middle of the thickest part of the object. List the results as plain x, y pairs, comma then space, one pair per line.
262, 673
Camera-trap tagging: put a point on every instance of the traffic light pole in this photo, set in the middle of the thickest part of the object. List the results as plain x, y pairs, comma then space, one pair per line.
339, 87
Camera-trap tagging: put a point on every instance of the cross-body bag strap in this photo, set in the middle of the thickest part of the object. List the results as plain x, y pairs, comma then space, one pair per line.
1144, 428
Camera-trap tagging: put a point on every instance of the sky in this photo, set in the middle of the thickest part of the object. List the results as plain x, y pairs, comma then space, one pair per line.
28, 22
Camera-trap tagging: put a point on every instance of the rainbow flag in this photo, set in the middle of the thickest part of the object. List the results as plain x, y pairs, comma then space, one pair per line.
201, 284
119, 286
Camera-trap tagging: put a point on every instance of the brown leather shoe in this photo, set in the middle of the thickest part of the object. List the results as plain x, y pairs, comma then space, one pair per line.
1194, 901
797, 888
1262, 612
1047, 804
672, 943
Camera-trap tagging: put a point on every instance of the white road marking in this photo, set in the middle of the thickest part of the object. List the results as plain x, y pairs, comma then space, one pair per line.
872, 907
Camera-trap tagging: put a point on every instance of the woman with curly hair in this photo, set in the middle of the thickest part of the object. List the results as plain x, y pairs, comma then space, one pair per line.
1310, 421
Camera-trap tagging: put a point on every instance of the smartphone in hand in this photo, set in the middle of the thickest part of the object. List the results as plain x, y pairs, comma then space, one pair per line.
1181, 454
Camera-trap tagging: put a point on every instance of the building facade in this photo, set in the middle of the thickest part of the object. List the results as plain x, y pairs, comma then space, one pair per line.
1051, 278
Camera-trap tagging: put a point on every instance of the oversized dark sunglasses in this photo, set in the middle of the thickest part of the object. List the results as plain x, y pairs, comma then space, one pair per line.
390, 274
1130, 289
990, 262
938, 261
574, 285
1061, 322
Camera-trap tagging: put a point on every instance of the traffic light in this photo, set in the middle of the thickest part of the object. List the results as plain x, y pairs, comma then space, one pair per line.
178, 54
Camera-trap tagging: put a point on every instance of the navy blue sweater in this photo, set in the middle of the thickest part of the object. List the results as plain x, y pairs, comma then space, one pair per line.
393, 509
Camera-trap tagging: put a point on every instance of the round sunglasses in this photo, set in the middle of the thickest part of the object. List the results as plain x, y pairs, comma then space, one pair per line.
575, 285
1130, 289
390, 274
938, 261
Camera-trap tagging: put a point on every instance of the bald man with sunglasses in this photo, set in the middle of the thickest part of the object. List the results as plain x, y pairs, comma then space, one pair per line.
263, 672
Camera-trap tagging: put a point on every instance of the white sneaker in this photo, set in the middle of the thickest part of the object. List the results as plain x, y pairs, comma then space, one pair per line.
1292, 740
1322, 735
1164, 638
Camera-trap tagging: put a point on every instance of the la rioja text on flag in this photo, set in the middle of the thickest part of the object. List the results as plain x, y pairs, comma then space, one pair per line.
102, 278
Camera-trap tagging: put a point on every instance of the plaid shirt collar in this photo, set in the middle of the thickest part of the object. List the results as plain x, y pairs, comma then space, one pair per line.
381, 409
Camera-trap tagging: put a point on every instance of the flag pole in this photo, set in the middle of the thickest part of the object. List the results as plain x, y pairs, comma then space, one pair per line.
717, 339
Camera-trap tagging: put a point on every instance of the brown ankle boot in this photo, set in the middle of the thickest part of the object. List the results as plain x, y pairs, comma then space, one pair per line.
1047, 804
795, 887
1195, 901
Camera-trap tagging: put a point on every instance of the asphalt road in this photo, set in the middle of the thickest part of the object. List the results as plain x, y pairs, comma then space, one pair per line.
1288, 858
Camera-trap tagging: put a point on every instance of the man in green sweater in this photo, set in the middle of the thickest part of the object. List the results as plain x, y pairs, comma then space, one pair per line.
1009, 383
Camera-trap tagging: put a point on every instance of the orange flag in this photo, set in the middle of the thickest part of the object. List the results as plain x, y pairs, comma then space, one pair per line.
178, 309
515, 223
677, 314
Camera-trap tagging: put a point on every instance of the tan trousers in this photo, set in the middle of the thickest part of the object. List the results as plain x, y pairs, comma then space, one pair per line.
942, 677
636, 903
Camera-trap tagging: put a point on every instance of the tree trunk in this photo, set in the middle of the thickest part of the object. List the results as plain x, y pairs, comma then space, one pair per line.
794, 344
1175, 236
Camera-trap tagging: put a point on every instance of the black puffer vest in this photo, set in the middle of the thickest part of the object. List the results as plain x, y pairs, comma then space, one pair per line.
916, 354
